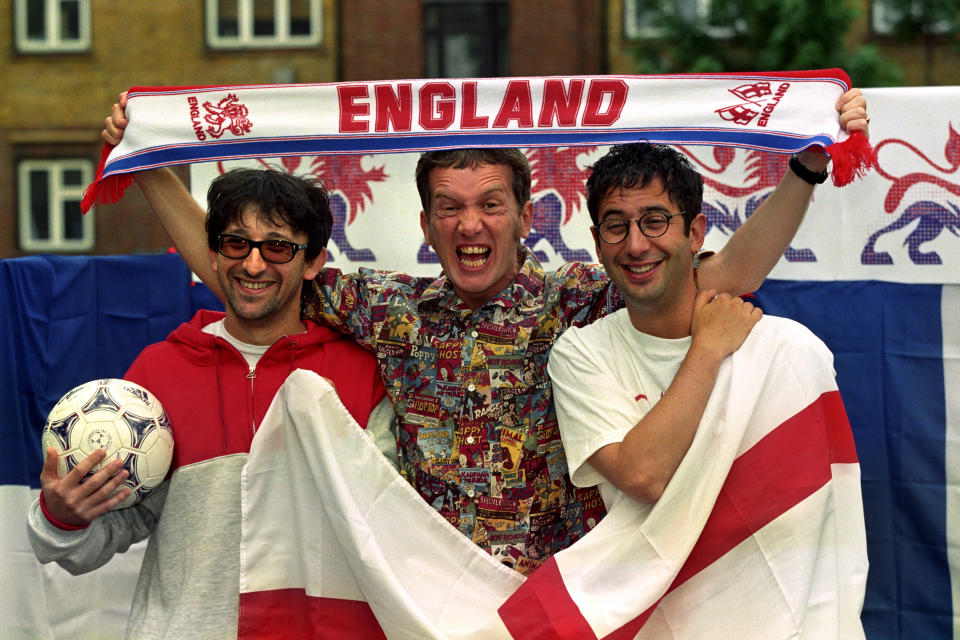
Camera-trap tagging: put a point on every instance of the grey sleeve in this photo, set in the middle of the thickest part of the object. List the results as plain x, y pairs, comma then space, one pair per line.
88, 549
382, 429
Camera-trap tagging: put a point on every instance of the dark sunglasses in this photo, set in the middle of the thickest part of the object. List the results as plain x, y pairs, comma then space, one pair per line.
275, 251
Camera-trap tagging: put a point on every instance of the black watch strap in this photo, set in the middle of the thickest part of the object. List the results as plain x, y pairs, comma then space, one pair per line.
805, 174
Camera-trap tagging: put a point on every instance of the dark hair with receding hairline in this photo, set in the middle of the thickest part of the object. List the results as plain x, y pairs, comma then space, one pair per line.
635, 165
470, 159
300, 202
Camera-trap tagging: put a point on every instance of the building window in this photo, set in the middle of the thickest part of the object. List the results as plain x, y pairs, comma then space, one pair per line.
884, 15
640, 16
52, 25
50, 193
235, 24
466, 39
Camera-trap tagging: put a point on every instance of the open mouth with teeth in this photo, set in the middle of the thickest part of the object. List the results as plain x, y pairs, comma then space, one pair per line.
640, 269
473, 257
255, 285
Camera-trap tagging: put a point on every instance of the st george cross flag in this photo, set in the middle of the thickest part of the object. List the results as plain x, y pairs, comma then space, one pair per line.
760, 533
772, 111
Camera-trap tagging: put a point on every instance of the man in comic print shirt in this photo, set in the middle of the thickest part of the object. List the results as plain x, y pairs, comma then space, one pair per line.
463, 356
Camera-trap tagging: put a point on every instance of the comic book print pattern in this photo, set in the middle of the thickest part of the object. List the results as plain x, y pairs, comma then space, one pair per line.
478, 435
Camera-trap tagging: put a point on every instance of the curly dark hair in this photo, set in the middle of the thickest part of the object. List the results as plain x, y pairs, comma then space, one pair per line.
278, 197
635, 165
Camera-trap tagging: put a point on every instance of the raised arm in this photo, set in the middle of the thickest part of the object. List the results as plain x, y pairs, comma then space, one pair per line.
752, 252
179, 214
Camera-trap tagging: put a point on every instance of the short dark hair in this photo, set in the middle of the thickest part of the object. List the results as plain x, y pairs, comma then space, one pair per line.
300, 202
635, 165
472, 158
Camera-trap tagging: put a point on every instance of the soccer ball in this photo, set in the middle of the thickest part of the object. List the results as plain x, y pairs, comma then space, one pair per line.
120, 417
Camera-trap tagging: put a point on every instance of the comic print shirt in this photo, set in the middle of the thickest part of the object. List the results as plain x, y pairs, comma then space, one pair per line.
478, 435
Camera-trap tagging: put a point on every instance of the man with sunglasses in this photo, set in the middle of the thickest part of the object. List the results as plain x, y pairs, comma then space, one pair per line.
657, 362
215, 376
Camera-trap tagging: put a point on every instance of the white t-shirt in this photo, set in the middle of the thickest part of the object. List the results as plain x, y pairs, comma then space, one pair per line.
606, 377
250, 352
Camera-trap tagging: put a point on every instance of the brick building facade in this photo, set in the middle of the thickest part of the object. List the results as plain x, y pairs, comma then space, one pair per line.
67, 59
65, 63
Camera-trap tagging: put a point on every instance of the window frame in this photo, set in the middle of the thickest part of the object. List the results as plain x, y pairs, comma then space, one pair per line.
246, 39
499, 53
58, 194
633, 31
52, 42
883, 17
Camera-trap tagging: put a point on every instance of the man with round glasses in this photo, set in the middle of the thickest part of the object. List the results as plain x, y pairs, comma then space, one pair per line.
658, 360
215, 377
645, 201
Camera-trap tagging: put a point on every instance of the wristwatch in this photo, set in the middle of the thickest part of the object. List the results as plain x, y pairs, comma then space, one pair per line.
805, 174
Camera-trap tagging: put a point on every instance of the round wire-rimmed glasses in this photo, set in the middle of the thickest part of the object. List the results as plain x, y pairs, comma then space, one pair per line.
654, 224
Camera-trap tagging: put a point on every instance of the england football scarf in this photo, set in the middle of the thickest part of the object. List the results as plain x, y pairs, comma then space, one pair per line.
759, 534
783, 112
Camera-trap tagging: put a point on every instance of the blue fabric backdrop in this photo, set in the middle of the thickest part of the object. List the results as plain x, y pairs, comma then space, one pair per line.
67, 320
888, 354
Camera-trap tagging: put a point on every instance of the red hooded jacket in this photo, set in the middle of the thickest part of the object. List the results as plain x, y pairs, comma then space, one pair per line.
215, 404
